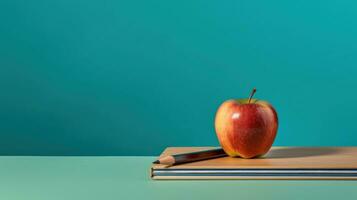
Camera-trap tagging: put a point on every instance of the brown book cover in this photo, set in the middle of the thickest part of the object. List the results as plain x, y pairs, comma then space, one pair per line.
318, 163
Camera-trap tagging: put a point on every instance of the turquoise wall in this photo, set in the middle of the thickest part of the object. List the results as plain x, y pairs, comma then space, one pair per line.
81, 77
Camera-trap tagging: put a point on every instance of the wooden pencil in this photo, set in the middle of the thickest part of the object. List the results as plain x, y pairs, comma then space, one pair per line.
191, 157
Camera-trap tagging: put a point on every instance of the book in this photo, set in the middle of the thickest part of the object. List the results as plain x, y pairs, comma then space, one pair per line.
319, 163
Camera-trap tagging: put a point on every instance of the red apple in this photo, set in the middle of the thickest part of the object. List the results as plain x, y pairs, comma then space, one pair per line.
246, 127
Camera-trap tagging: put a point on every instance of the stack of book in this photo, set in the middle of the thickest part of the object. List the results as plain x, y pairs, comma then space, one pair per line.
279, 163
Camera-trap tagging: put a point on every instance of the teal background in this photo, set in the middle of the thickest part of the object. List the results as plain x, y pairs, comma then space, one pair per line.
81, 77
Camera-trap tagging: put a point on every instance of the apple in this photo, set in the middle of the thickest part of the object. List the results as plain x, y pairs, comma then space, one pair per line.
246, 127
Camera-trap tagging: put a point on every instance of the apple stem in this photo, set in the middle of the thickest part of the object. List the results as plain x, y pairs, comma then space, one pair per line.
251, 94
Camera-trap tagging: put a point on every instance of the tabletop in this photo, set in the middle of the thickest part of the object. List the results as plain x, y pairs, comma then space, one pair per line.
102, 177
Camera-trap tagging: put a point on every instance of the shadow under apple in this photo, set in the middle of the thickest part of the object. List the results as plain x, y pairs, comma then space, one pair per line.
294, 152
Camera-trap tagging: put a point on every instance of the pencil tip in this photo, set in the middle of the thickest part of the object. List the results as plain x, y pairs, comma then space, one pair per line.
156, 162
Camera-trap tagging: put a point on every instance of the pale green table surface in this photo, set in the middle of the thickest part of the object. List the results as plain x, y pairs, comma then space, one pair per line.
123, 178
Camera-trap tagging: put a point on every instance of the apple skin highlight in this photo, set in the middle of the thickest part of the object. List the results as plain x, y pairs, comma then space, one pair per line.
246, 127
